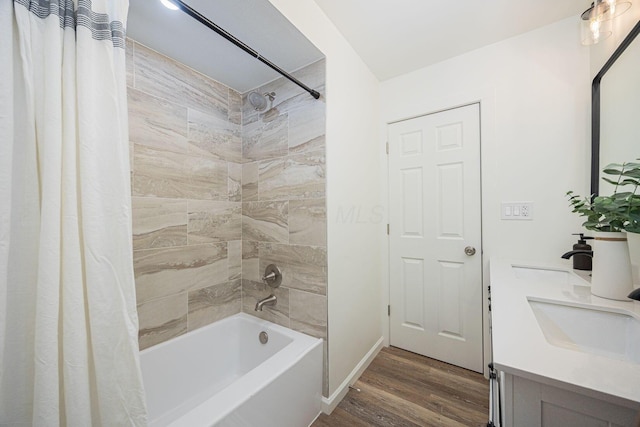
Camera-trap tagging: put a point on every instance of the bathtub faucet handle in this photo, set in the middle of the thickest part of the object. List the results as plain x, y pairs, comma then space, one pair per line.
272, 276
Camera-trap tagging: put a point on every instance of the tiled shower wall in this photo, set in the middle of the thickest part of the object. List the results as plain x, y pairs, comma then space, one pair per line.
185, 137
219, 192
284, 203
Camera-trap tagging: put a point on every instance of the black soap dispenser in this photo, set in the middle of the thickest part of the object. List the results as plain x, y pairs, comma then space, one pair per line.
582, 261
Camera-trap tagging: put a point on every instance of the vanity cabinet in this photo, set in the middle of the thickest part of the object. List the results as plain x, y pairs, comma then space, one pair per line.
561, 357
532, 404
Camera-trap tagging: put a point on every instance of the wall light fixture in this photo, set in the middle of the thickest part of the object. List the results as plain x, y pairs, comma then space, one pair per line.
596, 22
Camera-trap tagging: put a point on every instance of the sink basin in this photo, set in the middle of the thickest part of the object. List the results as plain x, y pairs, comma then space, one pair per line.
548, 275
612, 334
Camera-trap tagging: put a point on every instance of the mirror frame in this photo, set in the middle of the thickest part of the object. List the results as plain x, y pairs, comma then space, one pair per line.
595, 108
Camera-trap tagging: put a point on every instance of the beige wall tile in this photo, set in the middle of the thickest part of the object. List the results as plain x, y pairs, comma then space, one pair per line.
159, 173
308, 313
265, 140
235, 107
307, 123
156, 123
250, 181
214, 303
159, 223
250, 261
308, 222
235, 182
208, 178
165, 78
214, 136
303, 267
162, 174
252, 292
162, 319
234, 250
265, 221
163, 272
214, 221
300, 176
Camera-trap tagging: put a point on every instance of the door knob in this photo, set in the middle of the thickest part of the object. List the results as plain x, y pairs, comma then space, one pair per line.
470, 251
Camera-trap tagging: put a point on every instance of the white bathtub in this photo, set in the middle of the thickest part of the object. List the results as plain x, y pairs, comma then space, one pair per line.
222, 375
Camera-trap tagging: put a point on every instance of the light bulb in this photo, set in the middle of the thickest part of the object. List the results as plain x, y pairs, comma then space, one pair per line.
594, 26
169, 5
612, 7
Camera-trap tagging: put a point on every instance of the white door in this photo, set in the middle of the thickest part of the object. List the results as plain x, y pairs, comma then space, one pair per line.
435, 228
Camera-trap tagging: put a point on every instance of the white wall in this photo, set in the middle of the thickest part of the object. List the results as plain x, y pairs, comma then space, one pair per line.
353, 171
536, 147
534, 91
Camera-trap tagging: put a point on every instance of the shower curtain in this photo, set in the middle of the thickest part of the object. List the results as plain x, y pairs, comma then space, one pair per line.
68, 321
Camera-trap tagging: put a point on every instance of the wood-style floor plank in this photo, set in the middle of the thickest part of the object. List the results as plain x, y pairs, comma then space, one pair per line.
400, 388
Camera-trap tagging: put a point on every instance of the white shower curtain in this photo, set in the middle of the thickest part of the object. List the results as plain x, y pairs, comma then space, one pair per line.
68, 321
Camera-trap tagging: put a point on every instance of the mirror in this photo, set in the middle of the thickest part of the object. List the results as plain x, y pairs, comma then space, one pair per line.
615, 111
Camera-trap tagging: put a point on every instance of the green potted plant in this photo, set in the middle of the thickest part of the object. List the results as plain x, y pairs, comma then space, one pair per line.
619, 211
610, 216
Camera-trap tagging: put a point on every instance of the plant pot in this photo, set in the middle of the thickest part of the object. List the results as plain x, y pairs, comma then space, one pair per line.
611, 277
633, 240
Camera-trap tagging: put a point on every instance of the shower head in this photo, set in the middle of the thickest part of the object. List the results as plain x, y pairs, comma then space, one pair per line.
259, 101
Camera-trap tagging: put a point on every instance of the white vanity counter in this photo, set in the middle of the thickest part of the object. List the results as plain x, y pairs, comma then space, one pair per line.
520, 347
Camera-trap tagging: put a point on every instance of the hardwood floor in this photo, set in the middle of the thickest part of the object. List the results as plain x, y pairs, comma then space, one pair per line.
401, 388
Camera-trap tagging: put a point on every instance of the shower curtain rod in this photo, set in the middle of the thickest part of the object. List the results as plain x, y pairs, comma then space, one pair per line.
230, 37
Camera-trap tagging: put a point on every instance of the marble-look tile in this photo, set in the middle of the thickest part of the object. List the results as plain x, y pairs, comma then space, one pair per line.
159, 173
214, 221
308, 313
213, 303
165, 78
312, 75
250, 117
156, 123
234, 250
265, 140
214, 136
208, 178
162, 272
300, 176
162, 174
162, 319
235, 107
303, 267
265, 221
250, 261
252, 292
306, 124
129, 48
158, 223
250, 181
234, 182
308, 222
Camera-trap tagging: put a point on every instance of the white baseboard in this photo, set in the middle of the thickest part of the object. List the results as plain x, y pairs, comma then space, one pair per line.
330, 403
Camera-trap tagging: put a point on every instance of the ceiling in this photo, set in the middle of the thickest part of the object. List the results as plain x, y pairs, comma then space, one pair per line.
255, 22
393, 37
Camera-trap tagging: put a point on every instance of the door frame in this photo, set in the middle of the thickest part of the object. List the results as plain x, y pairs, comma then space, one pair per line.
485, 97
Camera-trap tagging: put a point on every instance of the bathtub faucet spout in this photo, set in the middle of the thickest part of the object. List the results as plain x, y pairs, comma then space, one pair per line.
270, 300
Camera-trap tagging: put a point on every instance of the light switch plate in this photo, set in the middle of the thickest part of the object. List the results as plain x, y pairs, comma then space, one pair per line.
521, 211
